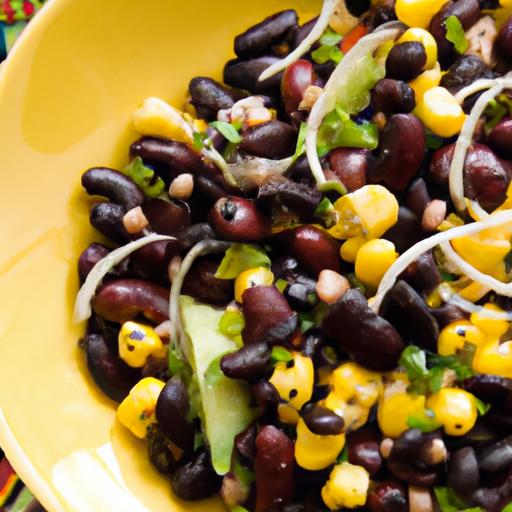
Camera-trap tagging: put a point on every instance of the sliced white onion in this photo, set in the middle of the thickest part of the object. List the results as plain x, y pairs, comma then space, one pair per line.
336, 88
200, 249
456, 177
82, 309
476, 211
251, 172
479, 85
448, 295
211, 153
316, 33
412, 254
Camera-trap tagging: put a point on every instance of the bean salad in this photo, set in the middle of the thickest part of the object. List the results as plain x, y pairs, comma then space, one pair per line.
302, 296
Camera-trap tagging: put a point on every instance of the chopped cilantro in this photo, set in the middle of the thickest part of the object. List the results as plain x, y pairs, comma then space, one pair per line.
228, 131
326, 53
455, 34
280, 355
240, 257
150, 183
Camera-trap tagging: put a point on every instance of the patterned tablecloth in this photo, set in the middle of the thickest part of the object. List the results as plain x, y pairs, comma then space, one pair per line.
14, 16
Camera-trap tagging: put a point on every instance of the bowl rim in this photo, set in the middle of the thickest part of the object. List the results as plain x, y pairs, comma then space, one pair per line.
14, 452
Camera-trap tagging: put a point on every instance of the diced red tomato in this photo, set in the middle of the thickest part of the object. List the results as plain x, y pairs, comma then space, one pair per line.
352, 37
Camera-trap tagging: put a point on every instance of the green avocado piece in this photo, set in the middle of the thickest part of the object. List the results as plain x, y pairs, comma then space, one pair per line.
225, 402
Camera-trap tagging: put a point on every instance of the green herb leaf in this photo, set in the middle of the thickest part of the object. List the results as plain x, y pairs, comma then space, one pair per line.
301, 141
198, 440
494, 112
213, 373
330, 37
199, 140
333, 186
423, 423
324, 206
242, 473
240, 257
228, 130
461, 363
175, 361
343, 456
238, 508
482, 407
326, 53
434, 141
414, 362
508, 508
151, 184
455, 34
445, 276
281, 285
449, 502
280, 355
232, 323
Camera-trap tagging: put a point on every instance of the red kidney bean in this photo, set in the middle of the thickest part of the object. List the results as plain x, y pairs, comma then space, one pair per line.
172, 409
211, 190
367, 338
447, 314
392, 97
152, 261
388, 496
238, 220
250, 363
412, 475
274, 140
279, 191
94, 253
268, 317
275, 461
464, 71
107, 218
245, 74
463, 472
113, 185
423, 274
467, 11
300, 298
196, 480
259, 39
110, 373
500, 139
322, 421
406, 232
201, 283
266, 396
410, 316
358, 7
503, 42
351, 165
313, 248
363, 449
422, 450
245, 443
209, 96
167, 217
125, 299
382, 13
296, 79
497, 457
402, 149
300, 171
301, 31
159, 453
406, 61
440, 164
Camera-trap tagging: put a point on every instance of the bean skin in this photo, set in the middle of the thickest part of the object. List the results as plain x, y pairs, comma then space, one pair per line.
250, 363
464, 71
245, 74
167, 217
463, 471
107, 218
392, 97
322, 421
296, 79
363, 449
94, 253
273, 140
351, 165
406, 61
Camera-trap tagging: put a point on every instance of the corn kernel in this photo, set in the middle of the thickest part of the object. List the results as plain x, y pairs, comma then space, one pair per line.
474, 291
352, 382
440, 112
368, 212
159, 119
137, 342
350, 248
490, 326
454, 335
314, 452
395, 410
373, 260
287, 414
347, 487
417, 13
494, 358
137, 411
294, 384
353, 413
455, 409
258, 276
424, 37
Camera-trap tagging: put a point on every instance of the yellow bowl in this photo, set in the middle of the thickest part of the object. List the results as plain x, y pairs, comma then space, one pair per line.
66, 96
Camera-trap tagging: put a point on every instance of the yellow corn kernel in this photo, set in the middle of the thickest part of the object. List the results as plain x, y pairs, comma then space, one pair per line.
314, 452
455, 409
258, 276
287, 414
373, 260
354, 414
489, 325
417, 13
294, 384
137, 342
368, 212
494, 358
440, 112
453, 336
347, 487
137, 411
350, 248
474, 291
426, 81
424, 37
394, 411
159, 119
353, 383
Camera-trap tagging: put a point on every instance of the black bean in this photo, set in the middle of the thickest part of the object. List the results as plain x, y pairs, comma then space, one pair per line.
94, 253
244, 443
497, 457
266, 395
152, 261
358, 7
411, 474
464, 71
406, 61
423, 274
406, 232
250, 363
392, 97
418, 198
245, 74
322, 421
300, 298
167, 217
274, 140
503, 42
363, 449
196, 233
259, 39
463, 472
107, 218
196, 480
159, 453
447, 314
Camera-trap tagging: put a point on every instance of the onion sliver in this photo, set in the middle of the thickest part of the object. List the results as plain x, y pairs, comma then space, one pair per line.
336, 88
479, 85
82, 309
316, 33
412, 254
